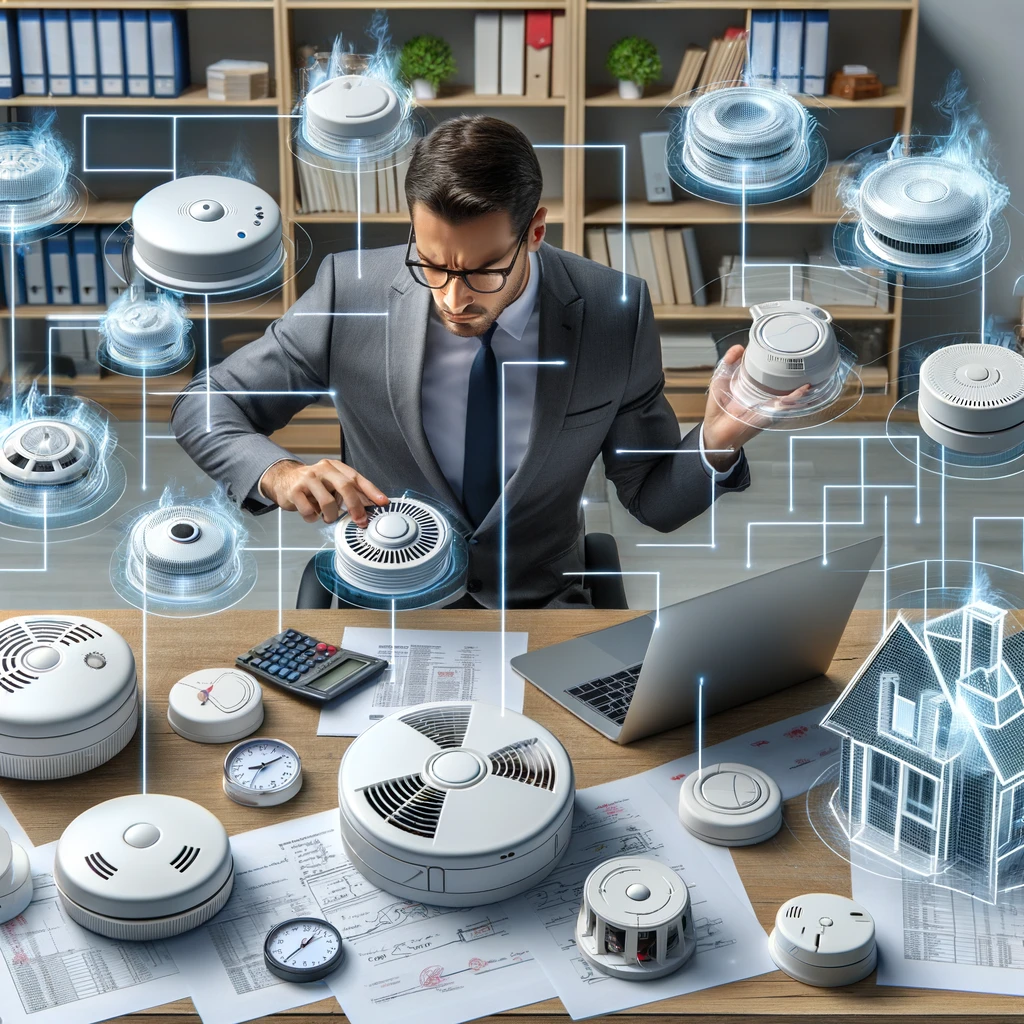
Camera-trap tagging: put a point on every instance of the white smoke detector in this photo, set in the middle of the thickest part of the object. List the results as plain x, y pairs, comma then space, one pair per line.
207, 234
31, 168
215, 705
635, 921
730, 805
146, 333
68, 696
406, 548
455, 804
823, 940
791, 344
972, 398
143, 867
15, 879
45, 452
924, 212
349, 107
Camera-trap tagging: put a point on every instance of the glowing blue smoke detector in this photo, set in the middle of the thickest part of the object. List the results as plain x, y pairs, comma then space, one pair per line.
145, 336
183, 558
412, 552
57, 459
36, 188
746, 140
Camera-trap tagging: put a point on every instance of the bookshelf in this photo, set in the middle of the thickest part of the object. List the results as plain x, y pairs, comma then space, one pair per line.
588, 108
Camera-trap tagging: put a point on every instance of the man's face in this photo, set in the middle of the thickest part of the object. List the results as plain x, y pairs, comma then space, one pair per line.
487, 241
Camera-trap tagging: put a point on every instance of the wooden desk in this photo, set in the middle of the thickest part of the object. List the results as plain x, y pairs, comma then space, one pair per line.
794, 862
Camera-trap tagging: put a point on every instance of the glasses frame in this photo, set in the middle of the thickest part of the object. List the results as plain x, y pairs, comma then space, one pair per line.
505, 272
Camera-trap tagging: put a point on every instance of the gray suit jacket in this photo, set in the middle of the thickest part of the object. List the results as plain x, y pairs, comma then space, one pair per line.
608, 396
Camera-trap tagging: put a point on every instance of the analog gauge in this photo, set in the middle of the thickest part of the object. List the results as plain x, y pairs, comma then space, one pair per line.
302, 949
262, 772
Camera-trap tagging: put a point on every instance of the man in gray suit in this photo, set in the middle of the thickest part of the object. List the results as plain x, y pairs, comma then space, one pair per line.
473, 302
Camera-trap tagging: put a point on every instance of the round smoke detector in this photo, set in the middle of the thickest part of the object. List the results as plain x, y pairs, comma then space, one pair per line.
207, 234
68, 696
149, 334
406, 548
143, 867
455, 805
349, 107
924, 212
30, 168
791, 344
972, 398
45, 453
745, 136
635, 921
730, 805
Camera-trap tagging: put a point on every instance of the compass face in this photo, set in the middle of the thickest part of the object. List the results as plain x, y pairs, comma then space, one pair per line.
303, 949
263, 765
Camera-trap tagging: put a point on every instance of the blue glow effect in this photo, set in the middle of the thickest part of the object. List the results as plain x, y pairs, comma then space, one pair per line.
145, 335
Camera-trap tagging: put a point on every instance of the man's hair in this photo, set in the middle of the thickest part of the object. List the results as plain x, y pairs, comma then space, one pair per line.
470, 166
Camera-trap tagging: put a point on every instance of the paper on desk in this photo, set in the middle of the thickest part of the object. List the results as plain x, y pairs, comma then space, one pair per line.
55, 972
930, 937
626, 818
223, 960
428, 665
405, 961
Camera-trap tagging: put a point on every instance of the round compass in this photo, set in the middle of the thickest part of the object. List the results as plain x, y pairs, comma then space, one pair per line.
303, 949
262, 772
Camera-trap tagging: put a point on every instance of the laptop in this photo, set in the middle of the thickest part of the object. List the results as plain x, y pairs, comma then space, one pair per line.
746, 640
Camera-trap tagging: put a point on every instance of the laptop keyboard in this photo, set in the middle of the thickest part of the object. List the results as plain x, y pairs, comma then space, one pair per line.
609, 696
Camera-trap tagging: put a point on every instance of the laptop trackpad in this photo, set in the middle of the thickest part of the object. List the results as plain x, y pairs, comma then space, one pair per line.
627, 642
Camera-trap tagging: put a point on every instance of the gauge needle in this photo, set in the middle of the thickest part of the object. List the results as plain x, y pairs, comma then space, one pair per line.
204, 695
305, 942
260, 767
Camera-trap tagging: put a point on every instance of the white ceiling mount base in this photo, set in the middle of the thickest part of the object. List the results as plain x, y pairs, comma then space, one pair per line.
15, 879
824, 940
968, 443
730, 805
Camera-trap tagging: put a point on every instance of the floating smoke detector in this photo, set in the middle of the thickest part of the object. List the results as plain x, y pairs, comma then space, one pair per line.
972, 398
455, 805
58, 464
145, 336
924, 212
207, 235
68, 696
635, 921
746, 141
183, 560
35, 187
143, 867
410, 552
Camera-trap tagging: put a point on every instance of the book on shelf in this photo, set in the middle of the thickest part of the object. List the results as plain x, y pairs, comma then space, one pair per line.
827, 284
689, 70
688, 350
238, 81
597, 246
679, 266
643, 256
763, 279
377, 188
520, 53
539, 28
559, 54
694, 268
486, 53
513, 53
726, 58
826, 200
662, 268
657, 254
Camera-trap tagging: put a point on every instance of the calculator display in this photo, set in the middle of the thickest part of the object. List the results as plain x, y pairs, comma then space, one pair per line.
342, 671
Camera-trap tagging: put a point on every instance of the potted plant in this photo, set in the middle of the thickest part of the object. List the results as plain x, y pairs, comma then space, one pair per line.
635, 63
426, 63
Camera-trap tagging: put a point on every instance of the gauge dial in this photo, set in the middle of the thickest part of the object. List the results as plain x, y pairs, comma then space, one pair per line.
302, 949
262, 772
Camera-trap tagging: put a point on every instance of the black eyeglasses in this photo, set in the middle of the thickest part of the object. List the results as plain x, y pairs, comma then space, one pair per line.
486, 280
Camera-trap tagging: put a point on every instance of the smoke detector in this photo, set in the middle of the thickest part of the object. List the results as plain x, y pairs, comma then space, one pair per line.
215, 705
143, 867
455, 804
349, 107
730, 805
972, 398
148, 335
31, 168
924, 212
68, 696
15, 879
44, 453
207, 234
408, 549
823, 940
791, 344
635, 921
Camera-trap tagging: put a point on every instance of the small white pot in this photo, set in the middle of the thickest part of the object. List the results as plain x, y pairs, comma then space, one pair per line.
630, 90
423, 90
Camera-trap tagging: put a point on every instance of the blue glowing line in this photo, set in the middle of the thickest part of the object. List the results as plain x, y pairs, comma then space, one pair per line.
942, 513
160, 437
885, 564
145, 680
143, 429
504, 519
185, 394
981, 326
337, 314
280, 570
700, 727
359, 222
206, 326
743, 236
12, 301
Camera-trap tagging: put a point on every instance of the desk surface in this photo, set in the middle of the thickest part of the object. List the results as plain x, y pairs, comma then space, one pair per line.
794, 862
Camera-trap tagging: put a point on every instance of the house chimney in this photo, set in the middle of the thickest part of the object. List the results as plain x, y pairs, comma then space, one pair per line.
983, 637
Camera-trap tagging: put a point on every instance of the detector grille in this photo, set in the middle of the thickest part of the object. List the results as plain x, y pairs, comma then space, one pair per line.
29, 169
20, 635
446, 726
44, 453
527, 761
409, 804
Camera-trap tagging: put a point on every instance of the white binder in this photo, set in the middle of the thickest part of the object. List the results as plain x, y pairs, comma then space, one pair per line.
57, 33
111, 52
33, 52
486, 53
136, 53
83, 52
513, 53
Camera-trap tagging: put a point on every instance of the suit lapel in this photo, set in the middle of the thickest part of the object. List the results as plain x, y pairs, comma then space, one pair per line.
405, 349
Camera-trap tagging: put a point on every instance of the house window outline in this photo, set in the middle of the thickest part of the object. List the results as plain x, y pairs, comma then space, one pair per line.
1014, 823
904, 716
916, 784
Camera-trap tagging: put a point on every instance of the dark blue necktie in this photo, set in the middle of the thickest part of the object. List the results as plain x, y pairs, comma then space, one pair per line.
480, 486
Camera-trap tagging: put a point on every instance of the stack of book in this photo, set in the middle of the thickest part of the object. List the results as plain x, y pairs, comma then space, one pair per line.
326, 188
520, 53
718, 66
238, 81
828, 284
765, 280
825, 196
666, 258
688, 350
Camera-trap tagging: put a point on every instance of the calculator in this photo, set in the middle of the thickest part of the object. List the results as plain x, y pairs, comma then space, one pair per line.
308, 667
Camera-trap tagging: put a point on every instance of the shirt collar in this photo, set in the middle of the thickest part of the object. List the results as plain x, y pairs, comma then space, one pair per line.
516, 315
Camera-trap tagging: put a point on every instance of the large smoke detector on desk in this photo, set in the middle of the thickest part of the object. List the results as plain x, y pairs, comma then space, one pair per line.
207, 234
143, 867
924, 212
635, 921
15, 879
823, 940
349, 107
972, 398
456, 805
730, 805
68, 696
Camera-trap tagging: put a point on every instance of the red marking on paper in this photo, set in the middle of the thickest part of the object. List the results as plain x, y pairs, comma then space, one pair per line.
430, 977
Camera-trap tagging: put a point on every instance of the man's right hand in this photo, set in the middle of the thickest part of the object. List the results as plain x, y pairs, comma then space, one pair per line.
318, 491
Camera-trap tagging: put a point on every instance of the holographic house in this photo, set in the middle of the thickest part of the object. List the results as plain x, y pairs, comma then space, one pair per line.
932, 765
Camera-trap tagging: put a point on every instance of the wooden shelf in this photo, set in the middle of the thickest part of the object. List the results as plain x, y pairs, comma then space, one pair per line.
750, 5
556, 215
464, 96
892, 99
740, 314
268, 310
697, 211
192, 96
